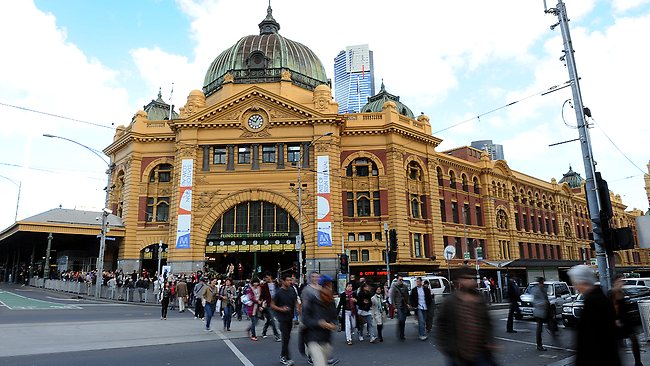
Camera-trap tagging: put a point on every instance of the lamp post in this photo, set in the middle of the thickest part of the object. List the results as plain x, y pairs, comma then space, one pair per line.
19, 185
387, 260
105, 212
299, 239
160, 244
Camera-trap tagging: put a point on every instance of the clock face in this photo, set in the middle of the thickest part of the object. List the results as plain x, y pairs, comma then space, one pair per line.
255, 121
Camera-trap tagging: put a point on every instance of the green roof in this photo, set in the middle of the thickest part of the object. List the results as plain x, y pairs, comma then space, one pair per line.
376, 103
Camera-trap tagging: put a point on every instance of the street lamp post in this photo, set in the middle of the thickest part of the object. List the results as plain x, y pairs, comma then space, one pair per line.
299, 239
387, 260
105, 212
160, 244
19, 185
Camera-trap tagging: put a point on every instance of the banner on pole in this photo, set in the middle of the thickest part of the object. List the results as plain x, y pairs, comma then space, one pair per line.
324, 214
184, 222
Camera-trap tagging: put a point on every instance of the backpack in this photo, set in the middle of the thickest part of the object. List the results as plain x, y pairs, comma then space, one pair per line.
245, 300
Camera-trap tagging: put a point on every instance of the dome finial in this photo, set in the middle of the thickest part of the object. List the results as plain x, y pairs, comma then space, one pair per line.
269, 25
382, 88
159, 95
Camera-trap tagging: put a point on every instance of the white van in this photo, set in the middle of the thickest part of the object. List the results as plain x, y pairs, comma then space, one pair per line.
639, 281
440, 285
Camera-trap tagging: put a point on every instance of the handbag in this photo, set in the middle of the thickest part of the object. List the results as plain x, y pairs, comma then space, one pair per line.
218, 308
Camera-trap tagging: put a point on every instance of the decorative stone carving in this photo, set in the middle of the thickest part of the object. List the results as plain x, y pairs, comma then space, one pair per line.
423, 118
263, 133
185, 151
322, 97
228, 78
204, 199
195, 103
285, 75
322, 147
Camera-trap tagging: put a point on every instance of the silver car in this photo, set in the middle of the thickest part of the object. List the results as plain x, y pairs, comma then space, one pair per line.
558, 293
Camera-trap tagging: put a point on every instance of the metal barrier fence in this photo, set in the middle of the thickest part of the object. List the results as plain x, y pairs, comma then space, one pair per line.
134, 295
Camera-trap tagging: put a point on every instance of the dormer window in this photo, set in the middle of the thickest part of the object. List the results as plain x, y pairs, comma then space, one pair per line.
257, 60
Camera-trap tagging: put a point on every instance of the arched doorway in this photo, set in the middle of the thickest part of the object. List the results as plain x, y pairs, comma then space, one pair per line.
149, 257
253, 236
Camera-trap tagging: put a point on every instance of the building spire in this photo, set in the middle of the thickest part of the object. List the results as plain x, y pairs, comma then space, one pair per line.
269, 25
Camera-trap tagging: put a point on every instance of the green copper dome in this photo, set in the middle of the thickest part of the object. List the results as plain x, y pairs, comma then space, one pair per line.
573, 179
264, 58
376, 103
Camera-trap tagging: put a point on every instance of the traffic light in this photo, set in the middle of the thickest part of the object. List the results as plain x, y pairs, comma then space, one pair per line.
343, 263
392, 253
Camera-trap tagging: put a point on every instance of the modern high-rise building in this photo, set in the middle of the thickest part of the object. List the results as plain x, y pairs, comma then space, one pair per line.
495, 150
354, 79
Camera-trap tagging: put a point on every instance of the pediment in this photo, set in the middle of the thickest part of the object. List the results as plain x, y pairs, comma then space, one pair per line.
232, 110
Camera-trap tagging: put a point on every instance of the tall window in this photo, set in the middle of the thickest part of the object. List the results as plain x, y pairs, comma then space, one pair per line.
354, 256
158, 209
415, 206
452, 179
219, 156
517, 222
349, 197
362, 167
414, 171
533, 222
376, 203
244, 155
363, 204
467, 214
464, 183
443, 211
479, 216
439, 174
365, 255
161, 173
417, 245
293, 153
477, 189
525, 217
454, 212
268, 153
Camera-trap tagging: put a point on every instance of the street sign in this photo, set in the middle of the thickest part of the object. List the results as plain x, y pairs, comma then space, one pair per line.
593, 262
298, 242
467, 256
450, 252
479, 253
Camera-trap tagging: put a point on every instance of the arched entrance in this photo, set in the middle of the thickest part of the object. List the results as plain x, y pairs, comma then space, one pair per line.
149, 257
253, 236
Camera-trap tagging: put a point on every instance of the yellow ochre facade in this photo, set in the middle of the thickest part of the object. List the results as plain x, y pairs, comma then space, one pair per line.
266, 108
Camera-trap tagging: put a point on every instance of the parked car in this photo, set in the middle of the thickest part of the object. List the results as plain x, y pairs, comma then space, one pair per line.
641, 281
558, 294
440, 285
571, 311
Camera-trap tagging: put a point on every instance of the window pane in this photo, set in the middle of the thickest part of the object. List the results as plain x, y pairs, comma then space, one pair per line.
354, 256
376, 203
255, 217
268, 217
362, 171
443, 211
293, 153
242, 218
350, 236
268, 154
365, 255
415, 207
363, 206
229, 221
149, 211
281, 220
219, 155
244, 155
162, 212
417, 245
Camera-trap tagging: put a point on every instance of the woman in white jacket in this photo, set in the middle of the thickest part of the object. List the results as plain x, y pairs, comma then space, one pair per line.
377, 311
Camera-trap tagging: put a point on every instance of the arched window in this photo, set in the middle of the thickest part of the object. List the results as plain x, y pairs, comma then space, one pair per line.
362, 167
414, 171
158, 209
452, 179
502, 219
417, 206
514, 194
439, 174
255, 217
463, 178
363, 204
477, 188
161, 173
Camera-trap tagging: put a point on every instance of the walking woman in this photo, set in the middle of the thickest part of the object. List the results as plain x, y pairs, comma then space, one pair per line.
228, 294
210, 302
254, 305
377, 311
348, 309
165, 295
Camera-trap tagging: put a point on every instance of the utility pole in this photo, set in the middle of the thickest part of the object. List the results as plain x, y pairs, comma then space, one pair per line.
387, 260
595, 206
46, 270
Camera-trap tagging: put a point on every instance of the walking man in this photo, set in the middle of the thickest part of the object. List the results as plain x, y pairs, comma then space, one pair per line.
421, 302
542, 313
284, 304
181, 294
514, 297
268, 292
596, 330
198, 304
400, 299
319, 317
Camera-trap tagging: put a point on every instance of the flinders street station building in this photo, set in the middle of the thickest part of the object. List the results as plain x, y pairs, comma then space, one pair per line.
259, 163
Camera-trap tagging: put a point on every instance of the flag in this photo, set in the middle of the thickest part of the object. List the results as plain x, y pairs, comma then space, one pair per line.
363, 71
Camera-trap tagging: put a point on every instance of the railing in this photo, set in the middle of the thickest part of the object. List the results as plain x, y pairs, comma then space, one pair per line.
133, 295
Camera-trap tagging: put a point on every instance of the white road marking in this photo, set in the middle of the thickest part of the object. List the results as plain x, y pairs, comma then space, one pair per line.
245, 361
58, 298
535, 344
565, 361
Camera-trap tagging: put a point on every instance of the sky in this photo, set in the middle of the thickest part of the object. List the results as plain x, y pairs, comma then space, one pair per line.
98, 62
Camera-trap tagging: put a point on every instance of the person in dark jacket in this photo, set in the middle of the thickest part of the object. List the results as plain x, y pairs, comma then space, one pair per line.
420, 300
348, 310
623, 321
399, 296
463, 328
596, 329
319, 317
514, 298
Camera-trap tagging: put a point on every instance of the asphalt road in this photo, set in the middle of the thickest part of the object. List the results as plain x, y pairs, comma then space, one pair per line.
94, 333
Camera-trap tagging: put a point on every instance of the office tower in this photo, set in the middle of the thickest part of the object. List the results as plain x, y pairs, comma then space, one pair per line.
354, 79
495, 150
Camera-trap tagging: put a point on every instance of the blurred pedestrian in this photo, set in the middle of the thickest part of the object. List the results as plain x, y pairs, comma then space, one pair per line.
268, 288
421, 302
463, 328
514, 297
624, 323
253, 305
377, 310
364, 305
199, 312
284, 304
542, 312
400, 301
432, 308
596, 329
319, 317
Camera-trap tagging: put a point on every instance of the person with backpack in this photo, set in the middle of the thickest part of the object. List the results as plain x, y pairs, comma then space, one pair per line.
199, 312
254, 304
165, 295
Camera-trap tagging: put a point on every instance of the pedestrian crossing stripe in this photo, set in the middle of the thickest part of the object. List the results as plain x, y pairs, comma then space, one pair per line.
14, 301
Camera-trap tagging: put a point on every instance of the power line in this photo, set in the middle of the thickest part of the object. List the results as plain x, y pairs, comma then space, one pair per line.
58, 171
57, 116
616, 146
543, 92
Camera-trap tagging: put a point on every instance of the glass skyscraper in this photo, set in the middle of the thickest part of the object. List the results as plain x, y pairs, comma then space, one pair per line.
354, 79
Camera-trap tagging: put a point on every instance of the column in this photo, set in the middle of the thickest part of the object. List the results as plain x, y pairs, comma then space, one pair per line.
230, 157
206, 159
305, 154
280, 155
256, 157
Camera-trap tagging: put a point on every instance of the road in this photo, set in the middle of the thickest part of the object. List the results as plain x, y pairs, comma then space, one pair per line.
40, 327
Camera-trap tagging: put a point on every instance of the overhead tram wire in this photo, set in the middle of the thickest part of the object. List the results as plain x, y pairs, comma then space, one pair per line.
58, 116
616, 146
543, 92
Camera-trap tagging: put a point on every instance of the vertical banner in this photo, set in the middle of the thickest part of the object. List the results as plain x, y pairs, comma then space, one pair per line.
324, 213
185, 205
